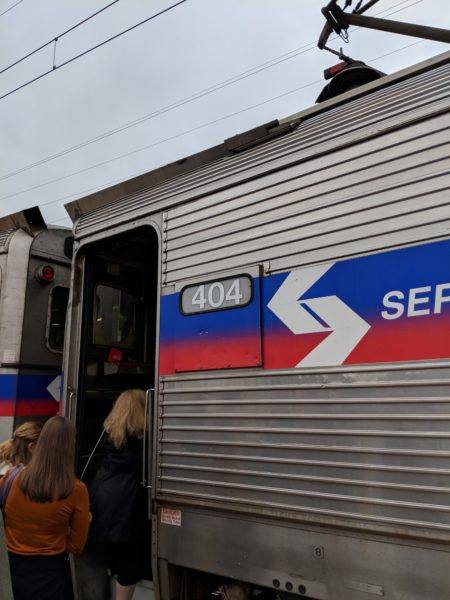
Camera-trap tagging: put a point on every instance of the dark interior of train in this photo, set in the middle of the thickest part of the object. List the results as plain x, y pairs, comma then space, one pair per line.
118, 332
117, 352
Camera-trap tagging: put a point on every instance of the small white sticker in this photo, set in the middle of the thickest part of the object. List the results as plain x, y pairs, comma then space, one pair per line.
9, 356
361, 586
170, 516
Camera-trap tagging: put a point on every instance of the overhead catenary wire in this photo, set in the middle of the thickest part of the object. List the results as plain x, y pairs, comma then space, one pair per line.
175, 136
70, 60
10, 8
58, 37
148, 146
197, 95
164, 109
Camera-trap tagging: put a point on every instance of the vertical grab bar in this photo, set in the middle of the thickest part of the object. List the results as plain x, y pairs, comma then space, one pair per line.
68, 409
149, 395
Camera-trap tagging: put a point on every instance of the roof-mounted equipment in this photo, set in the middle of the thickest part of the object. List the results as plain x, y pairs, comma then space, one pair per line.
338, 22
346, 76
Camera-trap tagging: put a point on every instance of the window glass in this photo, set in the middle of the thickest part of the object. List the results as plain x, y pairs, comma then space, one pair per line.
114, 317
58, 309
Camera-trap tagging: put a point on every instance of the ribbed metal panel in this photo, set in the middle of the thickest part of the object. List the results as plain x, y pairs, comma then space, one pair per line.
359, 140
365, 198
4, 237
365, 445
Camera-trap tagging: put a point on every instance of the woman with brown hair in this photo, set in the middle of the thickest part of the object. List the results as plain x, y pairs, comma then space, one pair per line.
118, 500
46, 514
16, 452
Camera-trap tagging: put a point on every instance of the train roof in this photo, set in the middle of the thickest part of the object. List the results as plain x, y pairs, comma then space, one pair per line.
240, 158
29, 220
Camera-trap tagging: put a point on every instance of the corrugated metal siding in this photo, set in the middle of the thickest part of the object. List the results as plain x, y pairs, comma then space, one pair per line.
4, 237
365, 445
326, 150
378, 194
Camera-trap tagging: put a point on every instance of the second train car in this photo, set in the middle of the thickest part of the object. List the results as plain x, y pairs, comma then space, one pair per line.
34, 288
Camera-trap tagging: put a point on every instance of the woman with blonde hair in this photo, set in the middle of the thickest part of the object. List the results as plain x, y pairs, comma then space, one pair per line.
16, 452
46, 512
118, 500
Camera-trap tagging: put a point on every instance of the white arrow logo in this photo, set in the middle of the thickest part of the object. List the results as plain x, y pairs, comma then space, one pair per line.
328, 313
54, 388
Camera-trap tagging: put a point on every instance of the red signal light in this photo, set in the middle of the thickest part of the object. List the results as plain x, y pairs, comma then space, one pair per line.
331, 71
45, 274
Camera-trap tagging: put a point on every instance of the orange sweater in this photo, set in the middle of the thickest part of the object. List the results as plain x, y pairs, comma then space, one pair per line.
46, 528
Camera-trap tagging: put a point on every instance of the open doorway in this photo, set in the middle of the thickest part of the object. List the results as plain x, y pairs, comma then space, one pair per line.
117, 352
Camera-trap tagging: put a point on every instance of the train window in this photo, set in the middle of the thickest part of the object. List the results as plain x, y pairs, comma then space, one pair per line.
115, 317
57, 317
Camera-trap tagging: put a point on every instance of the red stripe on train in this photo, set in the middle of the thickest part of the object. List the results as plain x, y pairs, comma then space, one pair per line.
29, 408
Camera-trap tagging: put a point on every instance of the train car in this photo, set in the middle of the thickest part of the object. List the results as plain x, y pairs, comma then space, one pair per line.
34, 289
284, 298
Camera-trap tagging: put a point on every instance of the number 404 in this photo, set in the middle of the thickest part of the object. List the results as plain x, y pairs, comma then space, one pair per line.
217, 294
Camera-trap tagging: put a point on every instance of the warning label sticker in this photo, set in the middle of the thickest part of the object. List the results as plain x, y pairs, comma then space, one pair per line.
170, 516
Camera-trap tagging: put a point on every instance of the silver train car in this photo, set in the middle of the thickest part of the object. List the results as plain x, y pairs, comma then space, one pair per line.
284, 298
34, 289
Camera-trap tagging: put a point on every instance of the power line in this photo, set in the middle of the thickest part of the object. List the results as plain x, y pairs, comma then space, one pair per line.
114, 37
388, 14
394, 51
10, 8
55, 39
162, 110
167, 139
178, 103
177, 135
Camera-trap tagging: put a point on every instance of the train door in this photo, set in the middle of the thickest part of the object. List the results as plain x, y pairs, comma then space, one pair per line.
117, 352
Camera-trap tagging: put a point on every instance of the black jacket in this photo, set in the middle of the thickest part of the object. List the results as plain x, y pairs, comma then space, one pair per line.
118, 500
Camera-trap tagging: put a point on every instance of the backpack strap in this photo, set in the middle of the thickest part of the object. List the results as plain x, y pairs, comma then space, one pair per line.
6, 487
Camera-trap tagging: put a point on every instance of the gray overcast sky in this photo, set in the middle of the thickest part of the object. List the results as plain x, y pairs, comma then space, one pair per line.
195, 46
